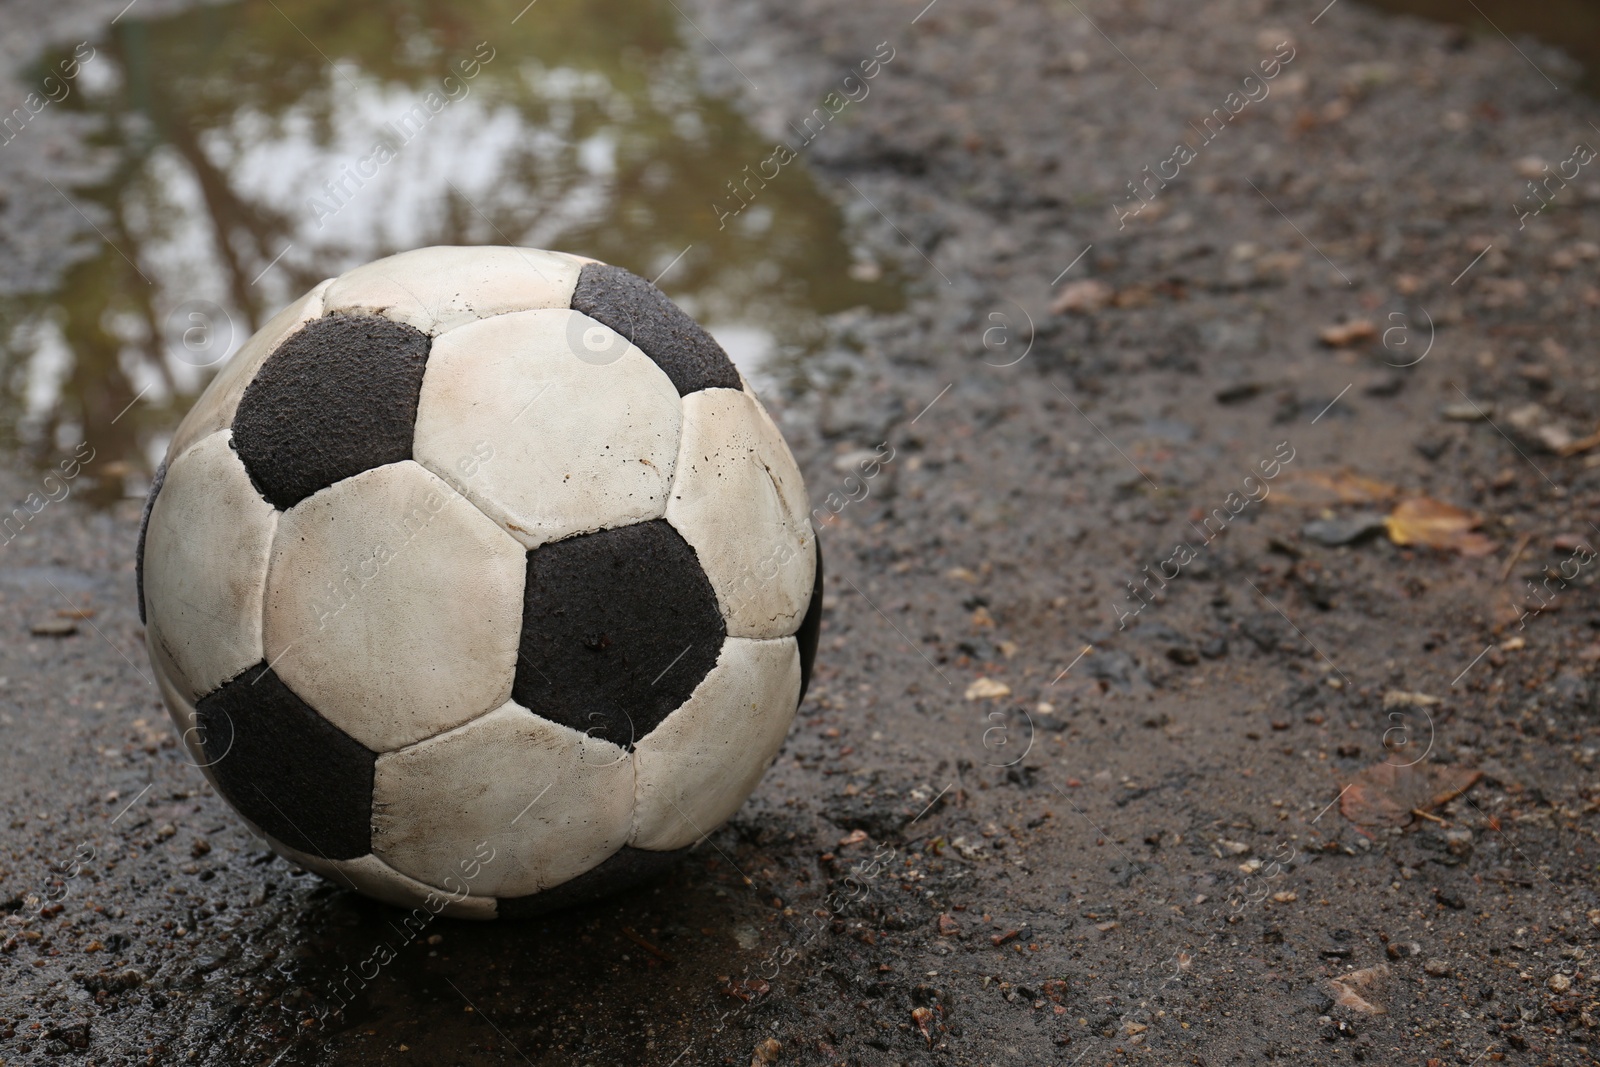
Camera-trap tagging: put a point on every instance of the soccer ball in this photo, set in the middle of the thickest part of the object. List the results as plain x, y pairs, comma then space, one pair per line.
480, 581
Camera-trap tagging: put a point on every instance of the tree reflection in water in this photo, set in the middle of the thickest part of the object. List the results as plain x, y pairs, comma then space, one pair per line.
585, 130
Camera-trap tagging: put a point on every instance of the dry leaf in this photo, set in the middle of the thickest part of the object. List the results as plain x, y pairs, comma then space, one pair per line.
1435, 524
1386, 794
1583, 444
1347, 333
1081, 298
1399, 698
987, 689
1322, 488
1134, 296
1353, 990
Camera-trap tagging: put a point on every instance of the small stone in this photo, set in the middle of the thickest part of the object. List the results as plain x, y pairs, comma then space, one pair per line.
766, 1052
987, 689
165, 831
1386, 384
1530, 167
1458, 841
1345, 530
1345, 334
1559, 983
1238, 392
1432, 446
54, 628
948, 927
1401, 949
1465, 412
1287, 896
1437, 968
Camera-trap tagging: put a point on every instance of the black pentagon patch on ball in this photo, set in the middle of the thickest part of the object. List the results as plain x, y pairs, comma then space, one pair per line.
337, 398
144, 526
293, 773
618, 627
623, 870
642, 313
811, 626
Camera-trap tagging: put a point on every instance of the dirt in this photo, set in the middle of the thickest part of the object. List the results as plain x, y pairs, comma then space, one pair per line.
1025, 816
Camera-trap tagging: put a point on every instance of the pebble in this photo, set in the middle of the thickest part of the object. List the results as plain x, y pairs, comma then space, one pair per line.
987, 689
1437, 968
54, 628
1345, 529
1559, 983
1465, 412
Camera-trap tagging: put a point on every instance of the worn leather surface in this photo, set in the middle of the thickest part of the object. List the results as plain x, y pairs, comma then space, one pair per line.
335, 399
642, 313
286, 768
618, 628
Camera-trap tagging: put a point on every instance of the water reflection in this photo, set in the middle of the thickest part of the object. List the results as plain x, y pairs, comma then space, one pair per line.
250, 150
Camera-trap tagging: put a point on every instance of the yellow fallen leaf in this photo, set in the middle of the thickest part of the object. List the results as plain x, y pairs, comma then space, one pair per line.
987, 689
1435, 524
1320, 488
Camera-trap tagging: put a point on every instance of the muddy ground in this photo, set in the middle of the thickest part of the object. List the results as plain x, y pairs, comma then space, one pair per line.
982, 844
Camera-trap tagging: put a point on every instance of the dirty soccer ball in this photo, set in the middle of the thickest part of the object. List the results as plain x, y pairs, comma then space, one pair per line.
480, 581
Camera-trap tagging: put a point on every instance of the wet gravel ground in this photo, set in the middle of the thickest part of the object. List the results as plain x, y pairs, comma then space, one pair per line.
984, 844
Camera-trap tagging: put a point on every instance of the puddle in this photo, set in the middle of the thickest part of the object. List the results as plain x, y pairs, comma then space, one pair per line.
1571, 25
228, 158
